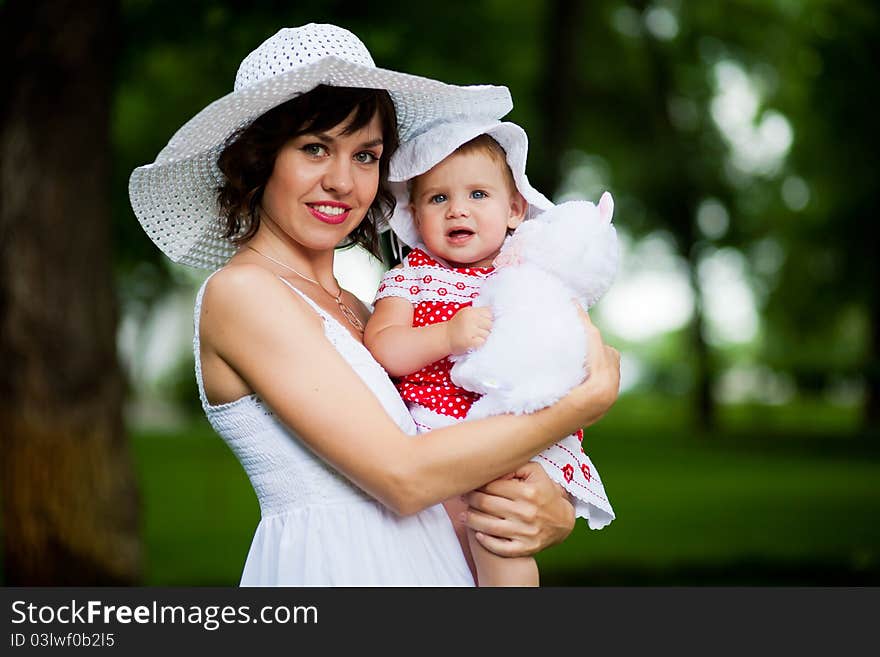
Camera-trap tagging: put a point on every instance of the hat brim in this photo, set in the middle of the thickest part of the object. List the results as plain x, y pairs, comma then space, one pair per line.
174, 198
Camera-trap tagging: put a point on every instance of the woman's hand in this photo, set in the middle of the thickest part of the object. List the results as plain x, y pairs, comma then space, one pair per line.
598, 392
520, 514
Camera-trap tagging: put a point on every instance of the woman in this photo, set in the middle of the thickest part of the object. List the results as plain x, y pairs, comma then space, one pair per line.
347, 496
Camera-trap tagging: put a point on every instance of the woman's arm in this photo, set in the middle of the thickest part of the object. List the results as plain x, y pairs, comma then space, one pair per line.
276, 343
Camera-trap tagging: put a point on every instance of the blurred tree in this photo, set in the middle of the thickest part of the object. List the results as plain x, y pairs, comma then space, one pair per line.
618, 89
825, 311
675, 189
647, 106
69, 498
557, 84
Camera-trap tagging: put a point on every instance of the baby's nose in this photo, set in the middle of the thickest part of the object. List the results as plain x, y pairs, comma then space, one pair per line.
457, 210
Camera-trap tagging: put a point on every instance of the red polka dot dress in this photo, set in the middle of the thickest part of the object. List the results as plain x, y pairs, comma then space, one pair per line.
436, 293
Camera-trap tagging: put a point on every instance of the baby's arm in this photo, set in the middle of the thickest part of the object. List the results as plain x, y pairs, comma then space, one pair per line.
403, 349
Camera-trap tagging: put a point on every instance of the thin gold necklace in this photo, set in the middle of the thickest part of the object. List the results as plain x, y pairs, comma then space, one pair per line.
346, 311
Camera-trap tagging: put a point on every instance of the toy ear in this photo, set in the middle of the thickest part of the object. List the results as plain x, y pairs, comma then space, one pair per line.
606, 207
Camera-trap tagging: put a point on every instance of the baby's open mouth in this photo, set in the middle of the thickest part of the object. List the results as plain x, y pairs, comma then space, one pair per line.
459, 233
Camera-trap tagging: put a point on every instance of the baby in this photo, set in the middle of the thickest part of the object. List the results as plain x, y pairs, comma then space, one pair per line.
465, 191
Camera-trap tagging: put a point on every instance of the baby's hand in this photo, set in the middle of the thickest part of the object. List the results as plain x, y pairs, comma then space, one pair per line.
468, 329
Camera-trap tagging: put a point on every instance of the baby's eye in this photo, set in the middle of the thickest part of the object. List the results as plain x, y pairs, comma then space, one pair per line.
437, 198
315, 149
366, 157
479, 194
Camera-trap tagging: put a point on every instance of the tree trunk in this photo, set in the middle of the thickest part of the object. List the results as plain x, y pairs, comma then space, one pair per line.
871, 420
677, 202
704, 402
69, 498
559, 83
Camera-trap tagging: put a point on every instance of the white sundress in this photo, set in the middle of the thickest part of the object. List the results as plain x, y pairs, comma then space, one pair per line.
317, 528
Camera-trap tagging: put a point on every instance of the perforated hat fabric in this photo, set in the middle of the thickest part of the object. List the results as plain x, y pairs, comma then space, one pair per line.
437, 142
174, 198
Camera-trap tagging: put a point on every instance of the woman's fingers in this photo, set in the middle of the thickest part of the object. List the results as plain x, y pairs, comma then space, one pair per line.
503, 536
603, 383
507, 488
585, 316
600, 353
594, 338
489, 524
615, 356
499, 507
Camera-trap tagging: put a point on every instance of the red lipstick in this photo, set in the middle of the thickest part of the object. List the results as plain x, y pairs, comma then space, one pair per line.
327, 211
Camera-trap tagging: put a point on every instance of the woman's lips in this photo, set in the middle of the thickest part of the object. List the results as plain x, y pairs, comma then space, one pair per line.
329, 213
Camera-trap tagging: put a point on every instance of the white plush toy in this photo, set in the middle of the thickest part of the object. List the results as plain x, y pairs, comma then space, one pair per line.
536, 351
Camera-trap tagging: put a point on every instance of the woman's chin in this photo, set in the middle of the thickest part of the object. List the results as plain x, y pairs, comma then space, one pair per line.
319, 240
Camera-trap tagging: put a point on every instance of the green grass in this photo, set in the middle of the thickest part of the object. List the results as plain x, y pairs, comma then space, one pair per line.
785, 495
199, 510
783, 500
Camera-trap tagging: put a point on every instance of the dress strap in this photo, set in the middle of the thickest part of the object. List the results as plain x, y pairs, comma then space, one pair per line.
323, 313
336, 333
197, 351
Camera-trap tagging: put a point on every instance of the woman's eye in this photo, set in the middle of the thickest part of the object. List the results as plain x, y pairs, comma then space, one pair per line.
366, 157
437, 198
315, 149
478, 194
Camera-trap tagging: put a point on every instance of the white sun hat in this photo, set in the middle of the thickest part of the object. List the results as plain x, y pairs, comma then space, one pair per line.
175, 197
438, 141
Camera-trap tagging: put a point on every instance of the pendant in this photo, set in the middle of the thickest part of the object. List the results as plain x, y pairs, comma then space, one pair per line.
349, 315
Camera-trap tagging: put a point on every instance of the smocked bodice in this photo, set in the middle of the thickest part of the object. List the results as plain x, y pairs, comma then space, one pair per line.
285, 473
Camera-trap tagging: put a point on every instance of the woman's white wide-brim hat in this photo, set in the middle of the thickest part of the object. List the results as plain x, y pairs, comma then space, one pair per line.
175, 197
437, 142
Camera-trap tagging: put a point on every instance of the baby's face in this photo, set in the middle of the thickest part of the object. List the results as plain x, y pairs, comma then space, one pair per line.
463, 208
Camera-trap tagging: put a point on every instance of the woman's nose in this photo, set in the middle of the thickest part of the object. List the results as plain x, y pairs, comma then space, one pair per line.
338, 178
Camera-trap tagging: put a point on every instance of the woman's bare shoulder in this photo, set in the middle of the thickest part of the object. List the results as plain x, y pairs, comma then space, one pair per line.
249, 293
235, 278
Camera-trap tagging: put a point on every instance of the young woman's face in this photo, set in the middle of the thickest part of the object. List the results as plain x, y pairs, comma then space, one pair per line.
323, 184
463, 208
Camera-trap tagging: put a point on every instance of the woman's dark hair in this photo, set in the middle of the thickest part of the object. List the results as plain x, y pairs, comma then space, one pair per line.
248, 158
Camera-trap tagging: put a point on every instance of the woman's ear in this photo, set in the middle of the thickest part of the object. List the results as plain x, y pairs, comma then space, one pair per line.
518, 209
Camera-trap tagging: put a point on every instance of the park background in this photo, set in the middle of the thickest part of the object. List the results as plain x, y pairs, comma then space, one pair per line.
739, 141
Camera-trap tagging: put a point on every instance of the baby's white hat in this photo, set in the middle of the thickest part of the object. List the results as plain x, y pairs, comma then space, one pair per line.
422, 152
